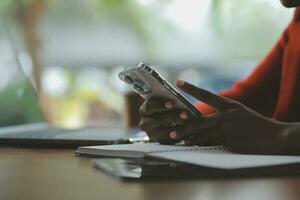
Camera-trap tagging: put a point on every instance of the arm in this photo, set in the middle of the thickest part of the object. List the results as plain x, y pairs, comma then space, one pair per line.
238, 127
291, 138
235, 125
265, 77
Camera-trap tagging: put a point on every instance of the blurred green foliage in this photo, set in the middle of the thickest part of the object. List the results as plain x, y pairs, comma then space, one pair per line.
246, 29
7, 6
226, 22
19, 104
138, 17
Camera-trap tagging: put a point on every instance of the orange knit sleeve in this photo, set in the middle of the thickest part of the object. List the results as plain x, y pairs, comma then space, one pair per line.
260, 89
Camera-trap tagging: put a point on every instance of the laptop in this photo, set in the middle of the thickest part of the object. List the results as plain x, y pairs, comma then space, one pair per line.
24, 125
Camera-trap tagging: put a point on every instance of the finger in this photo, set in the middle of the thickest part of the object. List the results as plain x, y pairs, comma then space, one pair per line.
207, 138
156, 131
216, 101
199, 140
149, 123
196, 140
155, 105
173, 118
161, 135
197, 126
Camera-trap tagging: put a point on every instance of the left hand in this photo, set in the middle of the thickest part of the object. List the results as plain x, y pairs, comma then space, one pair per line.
235, 126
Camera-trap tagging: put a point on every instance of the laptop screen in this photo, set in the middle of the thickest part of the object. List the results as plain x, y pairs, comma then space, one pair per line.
18, 102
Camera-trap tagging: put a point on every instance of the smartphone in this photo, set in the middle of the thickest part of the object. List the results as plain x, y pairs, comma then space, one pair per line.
148, 83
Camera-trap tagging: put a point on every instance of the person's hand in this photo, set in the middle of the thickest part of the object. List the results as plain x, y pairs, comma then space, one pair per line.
235, 126
159, 117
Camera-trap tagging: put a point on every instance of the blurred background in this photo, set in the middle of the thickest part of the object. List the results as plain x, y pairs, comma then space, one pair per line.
72, 51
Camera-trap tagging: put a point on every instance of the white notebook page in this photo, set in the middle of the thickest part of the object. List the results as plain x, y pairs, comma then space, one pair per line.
227, 160
213, 156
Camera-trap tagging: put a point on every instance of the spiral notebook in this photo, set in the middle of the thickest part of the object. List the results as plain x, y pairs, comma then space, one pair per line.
210, 156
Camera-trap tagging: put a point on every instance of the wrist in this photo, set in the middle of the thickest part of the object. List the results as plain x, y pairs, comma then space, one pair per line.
289, 138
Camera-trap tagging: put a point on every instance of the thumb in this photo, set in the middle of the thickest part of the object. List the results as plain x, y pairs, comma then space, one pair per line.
216, 101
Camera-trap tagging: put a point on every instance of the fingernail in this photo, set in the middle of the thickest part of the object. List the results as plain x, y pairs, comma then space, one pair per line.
180, 83
187, 142
173, 135
183, 115
168, 104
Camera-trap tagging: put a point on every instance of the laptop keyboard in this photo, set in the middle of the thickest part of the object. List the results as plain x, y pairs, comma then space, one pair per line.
69, 134
48, 133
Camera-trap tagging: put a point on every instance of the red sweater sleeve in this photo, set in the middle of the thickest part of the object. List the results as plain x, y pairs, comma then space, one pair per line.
260, 89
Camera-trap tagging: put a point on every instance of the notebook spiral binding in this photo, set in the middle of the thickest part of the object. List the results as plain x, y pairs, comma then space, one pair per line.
195, 149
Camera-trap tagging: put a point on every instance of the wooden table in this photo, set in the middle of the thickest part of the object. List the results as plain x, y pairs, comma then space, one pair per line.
42, 174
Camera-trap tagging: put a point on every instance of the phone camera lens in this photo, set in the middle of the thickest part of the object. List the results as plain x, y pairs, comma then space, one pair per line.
139, 88
128, 79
